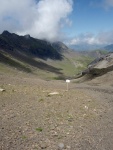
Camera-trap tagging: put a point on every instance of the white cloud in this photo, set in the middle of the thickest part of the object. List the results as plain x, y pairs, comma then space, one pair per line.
41, 19
102, 38
108, 3
86, 38
105, 37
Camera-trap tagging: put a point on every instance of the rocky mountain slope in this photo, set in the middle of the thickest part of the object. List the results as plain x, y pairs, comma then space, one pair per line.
61, 47
99, 71
12, 43
101, 65
49, 60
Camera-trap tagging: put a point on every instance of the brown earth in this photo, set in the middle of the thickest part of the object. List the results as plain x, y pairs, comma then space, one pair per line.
78, 119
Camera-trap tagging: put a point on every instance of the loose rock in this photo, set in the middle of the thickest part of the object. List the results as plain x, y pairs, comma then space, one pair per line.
2, 90
53, 93
60, 146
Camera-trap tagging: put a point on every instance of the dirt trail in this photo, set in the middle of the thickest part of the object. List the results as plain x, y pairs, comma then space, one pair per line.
31, 119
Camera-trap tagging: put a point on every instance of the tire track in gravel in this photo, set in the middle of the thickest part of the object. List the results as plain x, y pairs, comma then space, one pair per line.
108, 91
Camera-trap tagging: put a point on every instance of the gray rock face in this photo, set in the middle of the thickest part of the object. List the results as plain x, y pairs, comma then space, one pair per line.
102, 62
101, 65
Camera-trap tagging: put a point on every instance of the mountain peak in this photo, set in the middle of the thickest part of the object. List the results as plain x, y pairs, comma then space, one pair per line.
6, 33
27, 36
60, 46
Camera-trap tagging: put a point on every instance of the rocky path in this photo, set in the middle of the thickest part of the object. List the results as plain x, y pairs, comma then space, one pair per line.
31, 119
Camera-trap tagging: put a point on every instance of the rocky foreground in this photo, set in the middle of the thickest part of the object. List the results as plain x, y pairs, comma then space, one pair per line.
32, 119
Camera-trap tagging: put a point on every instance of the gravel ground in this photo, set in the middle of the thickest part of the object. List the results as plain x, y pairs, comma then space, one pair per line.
31, 119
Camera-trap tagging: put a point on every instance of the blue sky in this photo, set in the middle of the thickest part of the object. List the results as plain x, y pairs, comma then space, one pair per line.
89, 17
71, 21
92, 18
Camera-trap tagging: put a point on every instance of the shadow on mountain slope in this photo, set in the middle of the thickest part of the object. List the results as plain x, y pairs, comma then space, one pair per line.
8, 61
99, 72
26, 44
28, 60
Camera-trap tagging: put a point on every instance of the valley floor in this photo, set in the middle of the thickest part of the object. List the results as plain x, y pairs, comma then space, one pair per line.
31, 119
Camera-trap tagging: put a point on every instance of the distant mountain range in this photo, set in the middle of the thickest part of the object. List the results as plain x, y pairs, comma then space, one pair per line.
109, 48
88, 47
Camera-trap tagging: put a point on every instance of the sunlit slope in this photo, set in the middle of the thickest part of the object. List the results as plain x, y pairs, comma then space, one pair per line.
71, 64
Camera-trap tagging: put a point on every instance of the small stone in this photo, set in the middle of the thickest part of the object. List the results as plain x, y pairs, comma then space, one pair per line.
68, 147
54, 133
53, 93
43, 145
84, 115
52, 128
60, 146
86, 107
67, 133
2, 90
70, 119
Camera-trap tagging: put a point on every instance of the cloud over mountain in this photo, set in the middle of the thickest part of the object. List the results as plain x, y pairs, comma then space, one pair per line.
42, 19
102, 38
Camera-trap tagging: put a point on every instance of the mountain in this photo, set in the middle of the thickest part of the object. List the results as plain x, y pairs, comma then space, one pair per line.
61, 47
85, 47
100, 66
12, 42
109, 48
42, 58
94, 53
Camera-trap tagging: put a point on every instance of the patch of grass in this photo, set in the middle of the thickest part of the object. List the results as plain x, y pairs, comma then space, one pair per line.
60, 137
24, 137
71, 65
59, 78
39, 129
41, 100
48, 95
70, 118
12, 62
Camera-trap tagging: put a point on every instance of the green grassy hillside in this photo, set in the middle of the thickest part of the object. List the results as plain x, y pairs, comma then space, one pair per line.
44, 59
70, 65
